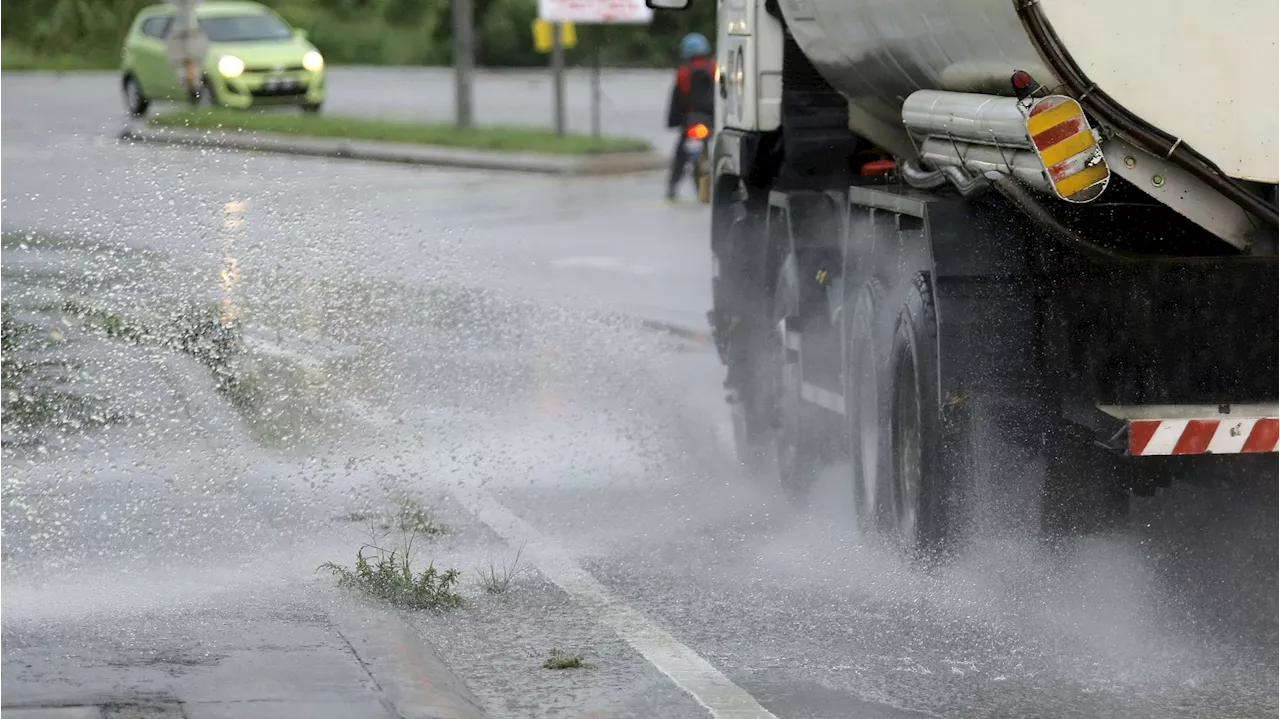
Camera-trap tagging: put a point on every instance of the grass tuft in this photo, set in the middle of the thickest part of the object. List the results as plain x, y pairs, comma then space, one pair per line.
415, 517
560, 660
511, 139
388, 575
497, 580
390, 578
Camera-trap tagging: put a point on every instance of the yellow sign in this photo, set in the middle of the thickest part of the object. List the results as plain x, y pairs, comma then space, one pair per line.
542, 38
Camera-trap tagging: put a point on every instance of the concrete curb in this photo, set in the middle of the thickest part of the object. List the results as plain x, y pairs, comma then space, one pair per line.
417, 683
613, 163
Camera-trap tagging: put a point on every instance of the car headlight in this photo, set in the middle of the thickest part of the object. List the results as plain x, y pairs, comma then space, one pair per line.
313, 61
230, 66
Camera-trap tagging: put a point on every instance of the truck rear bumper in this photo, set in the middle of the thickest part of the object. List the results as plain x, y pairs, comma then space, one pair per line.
1163, 430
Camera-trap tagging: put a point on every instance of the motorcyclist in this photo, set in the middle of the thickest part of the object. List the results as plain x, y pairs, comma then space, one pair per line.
692, 94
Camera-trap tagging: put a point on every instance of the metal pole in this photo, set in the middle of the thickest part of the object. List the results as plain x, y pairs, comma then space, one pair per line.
596, 32
464, 60
557, 77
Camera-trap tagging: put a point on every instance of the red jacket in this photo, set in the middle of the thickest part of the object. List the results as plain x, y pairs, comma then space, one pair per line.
683, 101
682, 72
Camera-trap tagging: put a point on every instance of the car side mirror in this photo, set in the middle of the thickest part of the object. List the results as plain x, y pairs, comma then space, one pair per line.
667, 4
300, 34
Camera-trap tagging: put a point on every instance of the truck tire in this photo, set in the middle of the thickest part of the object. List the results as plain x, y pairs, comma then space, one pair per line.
863, 387
1086, 488
741, 320
798, 430
920, 476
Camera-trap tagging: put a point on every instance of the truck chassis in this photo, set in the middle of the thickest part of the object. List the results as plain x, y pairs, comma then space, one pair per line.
899, 333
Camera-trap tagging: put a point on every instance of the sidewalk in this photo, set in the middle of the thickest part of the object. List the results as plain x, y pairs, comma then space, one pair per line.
355, 664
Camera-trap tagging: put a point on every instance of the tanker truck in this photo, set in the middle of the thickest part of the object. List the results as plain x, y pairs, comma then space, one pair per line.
949, 231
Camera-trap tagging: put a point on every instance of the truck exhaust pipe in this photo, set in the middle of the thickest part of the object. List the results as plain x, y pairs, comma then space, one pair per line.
1044, 142
984, 119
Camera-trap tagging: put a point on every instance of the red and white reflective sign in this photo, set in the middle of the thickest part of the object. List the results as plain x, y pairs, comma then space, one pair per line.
1243, 435
594, 11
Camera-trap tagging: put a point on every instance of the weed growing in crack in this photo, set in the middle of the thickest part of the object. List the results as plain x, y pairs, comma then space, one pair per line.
407, 514
560, 660
413, 516
388, 573
390, 577
497, 580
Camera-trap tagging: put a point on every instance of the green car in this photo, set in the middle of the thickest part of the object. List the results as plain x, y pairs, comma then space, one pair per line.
255, 58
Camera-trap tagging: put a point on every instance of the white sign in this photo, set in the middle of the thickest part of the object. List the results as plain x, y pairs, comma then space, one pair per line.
594, 11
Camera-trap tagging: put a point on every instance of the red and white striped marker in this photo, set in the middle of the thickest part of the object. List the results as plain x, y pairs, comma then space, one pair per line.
1234, 435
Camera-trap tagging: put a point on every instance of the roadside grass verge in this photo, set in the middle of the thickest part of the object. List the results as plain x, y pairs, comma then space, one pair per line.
18, 57
509, 139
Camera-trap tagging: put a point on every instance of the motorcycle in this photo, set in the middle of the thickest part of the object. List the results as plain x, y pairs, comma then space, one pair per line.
697, 147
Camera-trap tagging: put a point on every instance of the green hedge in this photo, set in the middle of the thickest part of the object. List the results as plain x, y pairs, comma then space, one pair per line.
370, 32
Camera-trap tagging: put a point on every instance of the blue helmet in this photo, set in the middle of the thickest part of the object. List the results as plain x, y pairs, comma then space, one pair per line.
694, 45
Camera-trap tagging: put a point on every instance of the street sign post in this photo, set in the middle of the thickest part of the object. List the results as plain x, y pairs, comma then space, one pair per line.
186, 46
586, 12
543, 37
464, 60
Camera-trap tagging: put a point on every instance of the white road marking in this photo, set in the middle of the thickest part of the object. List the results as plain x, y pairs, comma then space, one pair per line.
693, 674
615, 264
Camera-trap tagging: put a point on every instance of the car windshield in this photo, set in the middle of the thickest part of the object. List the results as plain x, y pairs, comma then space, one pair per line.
245, 28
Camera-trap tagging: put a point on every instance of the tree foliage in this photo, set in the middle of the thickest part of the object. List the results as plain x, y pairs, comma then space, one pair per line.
374, 32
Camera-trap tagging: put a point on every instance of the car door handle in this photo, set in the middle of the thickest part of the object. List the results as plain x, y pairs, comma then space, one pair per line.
724, 88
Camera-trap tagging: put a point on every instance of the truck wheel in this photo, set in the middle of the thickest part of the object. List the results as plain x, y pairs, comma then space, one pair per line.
798, 443
742, 329
865, 412
920, 473
752, 455
1085, 486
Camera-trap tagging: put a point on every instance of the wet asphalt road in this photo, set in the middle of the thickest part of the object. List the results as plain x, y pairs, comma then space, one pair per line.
456, 334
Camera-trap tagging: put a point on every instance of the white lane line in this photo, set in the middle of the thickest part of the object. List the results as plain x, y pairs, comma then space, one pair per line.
613, 264
690, 672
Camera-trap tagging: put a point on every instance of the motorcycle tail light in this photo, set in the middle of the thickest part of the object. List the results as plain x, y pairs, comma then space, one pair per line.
697, 132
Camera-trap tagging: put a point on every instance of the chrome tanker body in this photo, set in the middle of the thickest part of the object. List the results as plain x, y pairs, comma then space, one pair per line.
1048, 225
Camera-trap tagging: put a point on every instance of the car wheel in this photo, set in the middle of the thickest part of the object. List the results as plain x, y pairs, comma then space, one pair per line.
311, 108
206, 99
134, 101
